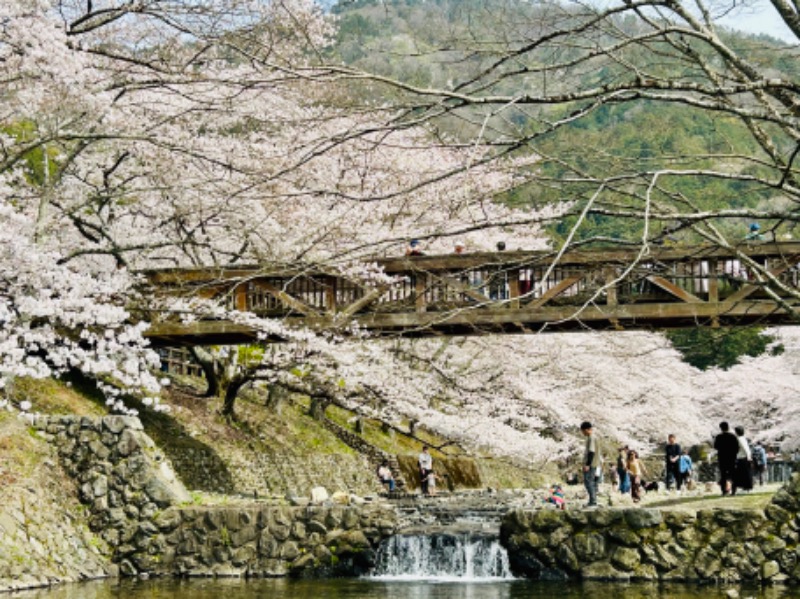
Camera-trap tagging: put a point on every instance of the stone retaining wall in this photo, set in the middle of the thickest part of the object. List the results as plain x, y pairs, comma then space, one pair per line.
647, 544
122, 476
145, 515
259, 540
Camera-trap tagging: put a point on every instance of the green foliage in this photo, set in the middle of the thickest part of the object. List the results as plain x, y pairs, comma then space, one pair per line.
41, 162
250, 354
399, 38
706, 348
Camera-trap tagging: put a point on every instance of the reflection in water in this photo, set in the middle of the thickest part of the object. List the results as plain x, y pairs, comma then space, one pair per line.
378, 589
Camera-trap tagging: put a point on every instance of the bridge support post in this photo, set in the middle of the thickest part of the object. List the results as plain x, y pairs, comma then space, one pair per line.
713, 289
240, 297
330, 294
513, 288
420, 285
610, 275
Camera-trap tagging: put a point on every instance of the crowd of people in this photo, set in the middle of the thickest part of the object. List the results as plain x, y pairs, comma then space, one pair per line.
738, 461
739, 464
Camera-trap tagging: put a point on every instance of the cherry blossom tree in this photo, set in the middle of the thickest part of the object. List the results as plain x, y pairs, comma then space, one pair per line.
146, 134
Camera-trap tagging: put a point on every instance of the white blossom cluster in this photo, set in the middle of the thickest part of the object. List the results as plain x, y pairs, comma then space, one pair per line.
109, 164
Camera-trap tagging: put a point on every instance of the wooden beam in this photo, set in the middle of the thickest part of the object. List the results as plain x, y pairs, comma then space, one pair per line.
672, 288
285, 298
554, 291
455, 262
748, 289
635, 316
364, 301
464, 288
513, 288
330, 294
240, 297
611, 286
420, 285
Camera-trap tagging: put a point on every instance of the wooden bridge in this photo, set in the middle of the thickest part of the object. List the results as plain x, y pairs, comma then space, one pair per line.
505, 292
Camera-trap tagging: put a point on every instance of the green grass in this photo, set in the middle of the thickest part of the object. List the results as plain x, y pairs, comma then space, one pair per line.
754, 500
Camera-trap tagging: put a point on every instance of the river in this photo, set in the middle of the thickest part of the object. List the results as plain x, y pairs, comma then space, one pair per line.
388, 589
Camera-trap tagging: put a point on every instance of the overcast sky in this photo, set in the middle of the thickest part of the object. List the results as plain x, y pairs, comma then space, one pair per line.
759, 17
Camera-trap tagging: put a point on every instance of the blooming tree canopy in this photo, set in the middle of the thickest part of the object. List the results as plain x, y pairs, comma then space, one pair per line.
147, 134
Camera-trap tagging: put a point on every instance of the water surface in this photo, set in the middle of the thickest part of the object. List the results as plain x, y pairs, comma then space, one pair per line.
388, 589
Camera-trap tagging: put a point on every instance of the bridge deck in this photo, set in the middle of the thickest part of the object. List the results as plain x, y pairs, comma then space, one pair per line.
500, 293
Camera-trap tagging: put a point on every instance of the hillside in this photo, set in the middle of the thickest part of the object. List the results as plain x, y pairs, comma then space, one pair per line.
266, 451
447, 44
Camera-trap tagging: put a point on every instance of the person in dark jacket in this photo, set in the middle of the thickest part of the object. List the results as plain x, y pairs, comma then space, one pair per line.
727, 446
672, 471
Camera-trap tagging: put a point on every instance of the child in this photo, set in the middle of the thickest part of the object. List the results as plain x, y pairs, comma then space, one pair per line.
556, 497
431, 482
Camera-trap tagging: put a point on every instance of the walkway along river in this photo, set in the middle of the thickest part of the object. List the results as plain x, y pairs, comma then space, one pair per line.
152, 528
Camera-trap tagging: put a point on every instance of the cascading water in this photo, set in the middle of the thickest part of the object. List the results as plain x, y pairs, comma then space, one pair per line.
463, 557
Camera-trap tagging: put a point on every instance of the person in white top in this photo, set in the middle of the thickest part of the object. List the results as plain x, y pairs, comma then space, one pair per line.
742, 474
385, 476
425, 462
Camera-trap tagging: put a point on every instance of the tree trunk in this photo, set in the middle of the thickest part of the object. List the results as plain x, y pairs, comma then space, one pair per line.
210, 369
275, 396
317, 408
231, 393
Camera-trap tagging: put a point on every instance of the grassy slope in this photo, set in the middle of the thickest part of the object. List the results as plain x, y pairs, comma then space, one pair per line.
285, 434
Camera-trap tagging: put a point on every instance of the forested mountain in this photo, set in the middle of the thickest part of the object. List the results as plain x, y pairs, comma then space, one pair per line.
446, 43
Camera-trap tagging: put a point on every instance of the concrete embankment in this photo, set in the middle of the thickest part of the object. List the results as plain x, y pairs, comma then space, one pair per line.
104, 501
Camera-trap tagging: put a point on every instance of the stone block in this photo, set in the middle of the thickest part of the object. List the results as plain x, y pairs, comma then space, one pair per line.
624, 536
777, 514
548, 520
678, 520
319, 495
268, 546
625, 558
604, 517
589, 547
770, 569
602, 570
317, 526
289, 551
243, 536
638, 518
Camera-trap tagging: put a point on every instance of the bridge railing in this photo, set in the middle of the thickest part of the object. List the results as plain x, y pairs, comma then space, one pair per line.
498, 283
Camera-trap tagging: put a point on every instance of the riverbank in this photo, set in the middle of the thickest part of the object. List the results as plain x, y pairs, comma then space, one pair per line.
89, 496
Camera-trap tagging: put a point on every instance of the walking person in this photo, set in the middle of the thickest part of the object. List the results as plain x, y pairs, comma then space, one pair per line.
425, 462
685, 469
636, 470
592, 463
727, 446
759, 462
742, 475
672, 455
622, 471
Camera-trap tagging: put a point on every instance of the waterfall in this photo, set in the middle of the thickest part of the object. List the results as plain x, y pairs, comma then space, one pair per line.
465, 557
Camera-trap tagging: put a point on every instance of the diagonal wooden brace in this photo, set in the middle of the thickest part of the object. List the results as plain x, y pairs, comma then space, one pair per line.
672, 288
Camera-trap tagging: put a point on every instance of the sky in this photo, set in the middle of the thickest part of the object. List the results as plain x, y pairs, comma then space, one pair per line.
759, 17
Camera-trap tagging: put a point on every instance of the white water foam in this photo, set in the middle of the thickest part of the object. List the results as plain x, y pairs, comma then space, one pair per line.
442, 558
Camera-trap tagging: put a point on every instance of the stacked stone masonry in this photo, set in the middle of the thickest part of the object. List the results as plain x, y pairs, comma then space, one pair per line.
259, 541
146, 516
722, 545
150, 525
